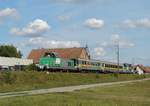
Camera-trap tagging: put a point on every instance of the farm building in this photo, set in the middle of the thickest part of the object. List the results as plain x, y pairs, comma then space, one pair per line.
11, 62
66, 53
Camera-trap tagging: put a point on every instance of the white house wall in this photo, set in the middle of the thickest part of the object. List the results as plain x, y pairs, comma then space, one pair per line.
6, 61
139, 70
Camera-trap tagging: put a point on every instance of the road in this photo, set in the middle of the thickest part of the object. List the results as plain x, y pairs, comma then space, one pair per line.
64, 89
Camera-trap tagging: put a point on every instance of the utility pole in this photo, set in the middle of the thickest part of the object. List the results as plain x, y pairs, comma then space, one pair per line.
118, 56
117, 46
88, 51
133, 61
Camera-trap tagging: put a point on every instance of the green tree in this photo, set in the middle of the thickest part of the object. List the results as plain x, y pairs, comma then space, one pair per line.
9, 51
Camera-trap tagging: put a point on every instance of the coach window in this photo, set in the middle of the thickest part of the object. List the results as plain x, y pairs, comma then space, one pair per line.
94, 64
86, 62
83, 62
104, 65
79, 62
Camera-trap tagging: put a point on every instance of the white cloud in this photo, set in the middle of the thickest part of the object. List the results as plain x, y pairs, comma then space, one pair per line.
64, 17
8, 12
99, 51
46, 43
122, 42
94, 23
115, 39
36, 28
141, 23
126, 44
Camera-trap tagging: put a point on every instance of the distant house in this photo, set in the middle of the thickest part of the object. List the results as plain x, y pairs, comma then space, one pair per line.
66, 53
140, 69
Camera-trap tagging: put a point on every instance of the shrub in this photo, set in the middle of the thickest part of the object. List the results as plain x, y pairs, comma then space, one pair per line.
31, 67
8, 78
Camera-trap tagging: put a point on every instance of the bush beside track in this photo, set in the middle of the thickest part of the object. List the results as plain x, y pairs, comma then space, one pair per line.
29, 80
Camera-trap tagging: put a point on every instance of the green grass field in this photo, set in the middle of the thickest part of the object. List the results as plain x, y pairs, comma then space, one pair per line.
18, 81
133, 94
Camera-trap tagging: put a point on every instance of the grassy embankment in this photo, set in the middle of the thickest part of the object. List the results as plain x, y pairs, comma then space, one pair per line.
133, 94
18, 81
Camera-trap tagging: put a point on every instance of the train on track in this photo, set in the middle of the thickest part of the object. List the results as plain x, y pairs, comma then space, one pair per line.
52, 62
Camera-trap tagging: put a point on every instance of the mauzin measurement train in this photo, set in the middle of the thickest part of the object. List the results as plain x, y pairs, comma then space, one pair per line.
52, 62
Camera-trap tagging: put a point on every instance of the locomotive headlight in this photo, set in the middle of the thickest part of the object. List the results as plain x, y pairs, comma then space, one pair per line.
41, 67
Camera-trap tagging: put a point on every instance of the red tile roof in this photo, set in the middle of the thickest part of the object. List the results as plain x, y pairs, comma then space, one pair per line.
66, 53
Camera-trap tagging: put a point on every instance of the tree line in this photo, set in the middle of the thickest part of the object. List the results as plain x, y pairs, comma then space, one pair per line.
9, 51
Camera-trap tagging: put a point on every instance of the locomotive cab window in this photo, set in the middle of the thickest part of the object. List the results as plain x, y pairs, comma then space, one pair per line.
69, 63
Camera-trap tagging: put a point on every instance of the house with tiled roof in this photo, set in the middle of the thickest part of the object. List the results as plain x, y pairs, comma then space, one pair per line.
65, 53
142, 69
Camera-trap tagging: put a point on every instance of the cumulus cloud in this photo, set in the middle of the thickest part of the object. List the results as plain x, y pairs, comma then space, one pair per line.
8, 13
36, 28
99, 51
116, 39
141, 23
126, 44
46, 43
94, 23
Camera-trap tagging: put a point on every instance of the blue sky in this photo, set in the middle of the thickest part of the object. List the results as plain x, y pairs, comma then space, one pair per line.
31, 24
